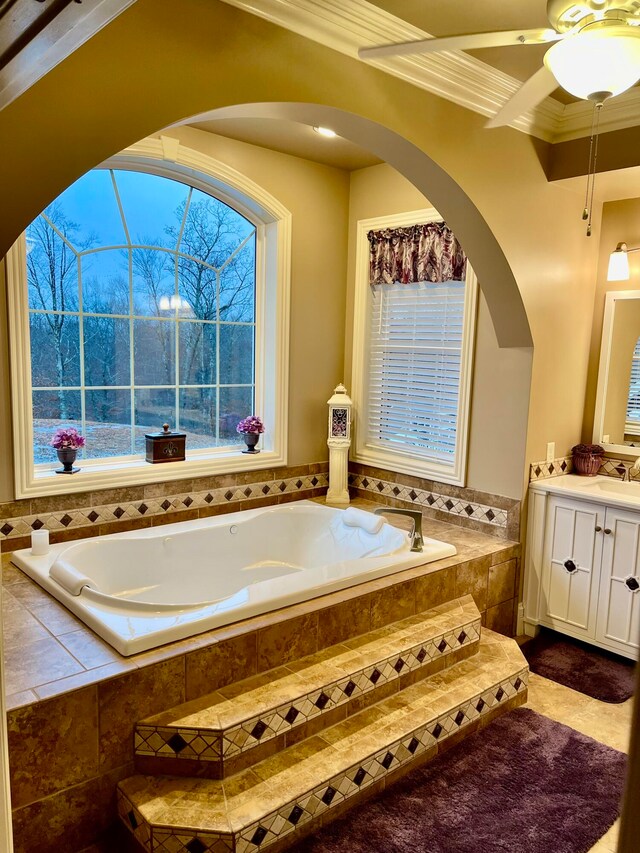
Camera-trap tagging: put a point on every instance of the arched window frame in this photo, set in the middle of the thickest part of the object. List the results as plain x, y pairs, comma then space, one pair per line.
165, 156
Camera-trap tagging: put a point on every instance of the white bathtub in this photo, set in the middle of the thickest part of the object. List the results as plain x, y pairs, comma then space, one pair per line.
141, 589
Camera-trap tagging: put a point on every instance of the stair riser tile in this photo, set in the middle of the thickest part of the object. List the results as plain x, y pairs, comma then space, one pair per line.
165, 841
400, 754
134, 821
363, 687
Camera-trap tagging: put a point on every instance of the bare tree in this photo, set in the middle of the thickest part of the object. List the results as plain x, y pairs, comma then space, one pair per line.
52, 278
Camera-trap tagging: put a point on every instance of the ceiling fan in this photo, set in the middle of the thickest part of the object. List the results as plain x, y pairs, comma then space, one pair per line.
594, 52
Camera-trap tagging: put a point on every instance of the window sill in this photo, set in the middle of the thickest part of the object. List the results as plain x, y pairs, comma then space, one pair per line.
105, 475
401, 463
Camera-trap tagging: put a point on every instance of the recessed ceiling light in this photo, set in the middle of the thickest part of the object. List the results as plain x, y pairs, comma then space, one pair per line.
325, 131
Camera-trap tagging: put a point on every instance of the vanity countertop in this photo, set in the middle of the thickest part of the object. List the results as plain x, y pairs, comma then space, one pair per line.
600, 489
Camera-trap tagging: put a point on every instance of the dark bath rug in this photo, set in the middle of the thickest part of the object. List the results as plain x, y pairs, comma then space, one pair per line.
595, 672
525, 784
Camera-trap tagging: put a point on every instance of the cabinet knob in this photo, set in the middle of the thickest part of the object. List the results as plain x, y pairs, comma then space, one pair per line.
598, 529
633, 584
607, 530
570, 566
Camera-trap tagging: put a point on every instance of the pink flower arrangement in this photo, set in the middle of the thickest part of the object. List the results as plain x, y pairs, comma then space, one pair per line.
67, 439
252, 424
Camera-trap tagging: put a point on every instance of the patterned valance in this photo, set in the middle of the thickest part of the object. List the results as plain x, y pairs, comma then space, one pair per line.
416, 253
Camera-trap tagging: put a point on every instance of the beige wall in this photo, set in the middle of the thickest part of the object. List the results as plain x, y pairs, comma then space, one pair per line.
151, 67
620, 223
501, 381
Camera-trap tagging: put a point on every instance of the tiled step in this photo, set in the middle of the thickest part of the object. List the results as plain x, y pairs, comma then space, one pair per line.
270, 806
226, 731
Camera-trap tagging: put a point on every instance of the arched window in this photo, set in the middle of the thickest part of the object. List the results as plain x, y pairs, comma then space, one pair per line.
146, 303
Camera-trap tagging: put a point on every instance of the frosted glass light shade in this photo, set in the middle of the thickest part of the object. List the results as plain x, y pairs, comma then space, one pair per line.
596, 62
618, 264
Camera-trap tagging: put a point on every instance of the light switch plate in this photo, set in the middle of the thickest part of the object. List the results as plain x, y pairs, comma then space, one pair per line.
551, 451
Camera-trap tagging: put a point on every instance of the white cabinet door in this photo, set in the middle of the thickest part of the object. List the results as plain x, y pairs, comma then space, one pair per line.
571, 560
618, 624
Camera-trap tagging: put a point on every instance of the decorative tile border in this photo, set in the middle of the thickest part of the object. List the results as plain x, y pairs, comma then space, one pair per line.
450, 504
611, 467
212, 745
618, 468
275, 825
93, 516
555, 468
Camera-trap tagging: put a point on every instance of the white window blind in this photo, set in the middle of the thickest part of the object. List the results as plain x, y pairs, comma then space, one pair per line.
633, 400
415, 355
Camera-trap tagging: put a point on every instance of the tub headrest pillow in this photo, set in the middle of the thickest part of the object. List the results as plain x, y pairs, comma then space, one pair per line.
69, 578
366, 521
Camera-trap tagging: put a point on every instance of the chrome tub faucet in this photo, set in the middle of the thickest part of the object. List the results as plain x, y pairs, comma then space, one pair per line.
417, 540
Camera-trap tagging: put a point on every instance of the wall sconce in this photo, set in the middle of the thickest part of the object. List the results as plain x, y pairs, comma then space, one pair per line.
619, 263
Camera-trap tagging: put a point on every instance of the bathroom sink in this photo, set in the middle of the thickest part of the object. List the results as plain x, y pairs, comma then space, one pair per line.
614, 487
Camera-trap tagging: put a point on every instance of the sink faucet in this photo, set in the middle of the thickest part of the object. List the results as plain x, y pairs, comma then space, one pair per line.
417, 540
631, 471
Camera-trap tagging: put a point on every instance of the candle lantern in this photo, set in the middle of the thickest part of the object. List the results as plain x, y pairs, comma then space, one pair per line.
339, 441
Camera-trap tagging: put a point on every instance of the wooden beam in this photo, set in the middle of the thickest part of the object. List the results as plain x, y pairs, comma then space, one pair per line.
35, 35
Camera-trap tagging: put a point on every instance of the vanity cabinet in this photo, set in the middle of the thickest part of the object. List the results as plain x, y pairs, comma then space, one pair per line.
582, 570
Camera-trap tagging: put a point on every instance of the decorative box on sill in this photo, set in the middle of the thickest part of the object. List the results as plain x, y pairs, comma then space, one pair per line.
165, 446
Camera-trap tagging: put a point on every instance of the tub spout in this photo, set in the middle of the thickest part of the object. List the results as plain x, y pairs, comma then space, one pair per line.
417, 540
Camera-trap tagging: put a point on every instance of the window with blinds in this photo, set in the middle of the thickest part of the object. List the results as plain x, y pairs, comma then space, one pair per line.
633, 400
416, 339
412, 365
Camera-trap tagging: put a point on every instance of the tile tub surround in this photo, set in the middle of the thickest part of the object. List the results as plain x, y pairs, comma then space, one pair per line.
56, 668
486, 513
76, 516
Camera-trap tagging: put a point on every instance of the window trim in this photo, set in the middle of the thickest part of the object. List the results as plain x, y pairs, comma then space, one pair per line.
368, 454
165, 156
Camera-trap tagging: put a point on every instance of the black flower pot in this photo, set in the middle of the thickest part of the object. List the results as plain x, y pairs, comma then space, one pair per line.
67, 456
251, 439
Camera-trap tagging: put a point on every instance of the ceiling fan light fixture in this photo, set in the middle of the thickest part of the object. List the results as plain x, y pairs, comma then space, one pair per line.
596, 63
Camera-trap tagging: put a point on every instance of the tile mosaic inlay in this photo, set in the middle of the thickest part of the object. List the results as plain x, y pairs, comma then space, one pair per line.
12, 528
610, 467
433, 500
555, 468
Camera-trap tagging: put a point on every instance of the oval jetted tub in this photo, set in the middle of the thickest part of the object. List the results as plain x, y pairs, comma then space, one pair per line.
141, 589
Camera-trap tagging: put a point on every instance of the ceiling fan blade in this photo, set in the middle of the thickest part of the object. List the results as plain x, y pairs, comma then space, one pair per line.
463, 42
530, 94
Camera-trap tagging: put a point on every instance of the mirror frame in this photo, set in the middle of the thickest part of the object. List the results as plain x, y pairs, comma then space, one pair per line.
612, 297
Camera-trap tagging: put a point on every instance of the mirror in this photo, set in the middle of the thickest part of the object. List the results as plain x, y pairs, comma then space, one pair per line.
617, 415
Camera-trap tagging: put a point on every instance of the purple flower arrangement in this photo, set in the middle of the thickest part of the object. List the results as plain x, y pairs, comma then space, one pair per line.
250, 425
67, 439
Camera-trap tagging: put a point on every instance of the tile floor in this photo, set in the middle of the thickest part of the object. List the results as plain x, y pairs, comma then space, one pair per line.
610, 724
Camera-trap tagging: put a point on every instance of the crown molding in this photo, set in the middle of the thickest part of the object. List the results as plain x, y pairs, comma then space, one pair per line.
347, 25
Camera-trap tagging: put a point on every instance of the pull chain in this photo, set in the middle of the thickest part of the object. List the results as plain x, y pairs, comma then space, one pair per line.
591, 168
